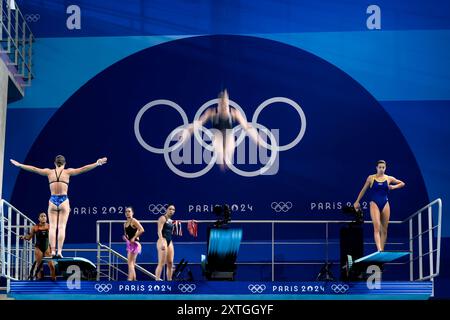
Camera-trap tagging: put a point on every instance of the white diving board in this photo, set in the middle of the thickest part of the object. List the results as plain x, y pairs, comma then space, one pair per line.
383, 256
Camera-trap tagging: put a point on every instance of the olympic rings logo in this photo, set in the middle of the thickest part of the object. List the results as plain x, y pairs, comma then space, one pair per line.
102, 287
32, 17
157, 208
256, 288
187, 288
340, 288
166, 150
281, 206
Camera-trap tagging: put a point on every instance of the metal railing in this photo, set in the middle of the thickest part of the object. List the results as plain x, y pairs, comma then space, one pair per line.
433, 230
111, 260
16, 41
272, 242
16, 255
434, 235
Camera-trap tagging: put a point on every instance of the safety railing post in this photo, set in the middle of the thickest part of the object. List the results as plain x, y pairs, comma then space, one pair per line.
2, 235
438, 248
273, 251
24, 264
419, 227
22, 73
15, 260
430, 240
109, 256
116, 264
16, 37
1, 25
327, 243
411, 251
98, 249
8, 247
16, 265
8, 256
30, 252
9, 29
30, 53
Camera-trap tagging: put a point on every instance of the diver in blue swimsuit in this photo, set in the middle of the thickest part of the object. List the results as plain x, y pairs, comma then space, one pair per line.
379, 185
58, 206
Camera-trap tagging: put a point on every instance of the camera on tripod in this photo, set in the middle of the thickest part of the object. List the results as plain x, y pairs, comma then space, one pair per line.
356, 214
224, 214
223, 244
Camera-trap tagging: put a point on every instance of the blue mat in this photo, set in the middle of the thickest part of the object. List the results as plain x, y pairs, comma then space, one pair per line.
212, 290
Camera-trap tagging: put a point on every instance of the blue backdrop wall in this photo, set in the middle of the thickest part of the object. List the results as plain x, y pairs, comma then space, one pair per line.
361, 95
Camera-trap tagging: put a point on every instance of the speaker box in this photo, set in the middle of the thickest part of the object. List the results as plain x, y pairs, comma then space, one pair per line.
351, 243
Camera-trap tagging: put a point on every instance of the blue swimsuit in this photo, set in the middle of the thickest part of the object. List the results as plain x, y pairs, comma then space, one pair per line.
58, 199
379, 193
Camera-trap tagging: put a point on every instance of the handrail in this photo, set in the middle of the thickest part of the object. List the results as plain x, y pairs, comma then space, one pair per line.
17, 34
148, 273
2, 201
438, 201
14, 264
114, 268
255, 221
419, 237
